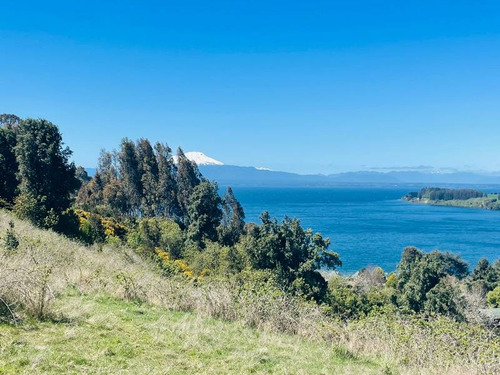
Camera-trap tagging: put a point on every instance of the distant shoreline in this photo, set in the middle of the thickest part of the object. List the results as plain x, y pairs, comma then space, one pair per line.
455, 198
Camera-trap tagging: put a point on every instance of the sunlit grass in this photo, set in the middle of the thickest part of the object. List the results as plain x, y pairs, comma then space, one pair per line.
104, 335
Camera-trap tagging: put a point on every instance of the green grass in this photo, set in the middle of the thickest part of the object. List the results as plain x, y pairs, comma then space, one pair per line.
104, 335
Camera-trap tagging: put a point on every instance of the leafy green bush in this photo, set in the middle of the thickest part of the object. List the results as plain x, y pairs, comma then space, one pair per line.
11, 242
493, 297
157, 233
294, 254
445, 299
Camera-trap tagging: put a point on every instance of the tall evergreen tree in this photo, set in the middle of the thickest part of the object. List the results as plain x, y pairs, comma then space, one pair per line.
47, 178
8, 166
188, 177
204, 213
233, 219
130, 175
167, 185
148, 166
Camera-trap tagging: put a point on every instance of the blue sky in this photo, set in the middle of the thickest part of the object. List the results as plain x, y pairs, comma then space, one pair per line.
302, 86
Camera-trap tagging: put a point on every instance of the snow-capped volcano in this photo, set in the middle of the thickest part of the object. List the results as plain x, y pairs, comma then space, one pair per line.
200, 158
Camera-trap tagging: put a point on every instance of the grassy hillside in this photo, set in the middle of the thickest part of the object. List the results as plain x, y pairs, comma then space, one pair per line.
70, 308
104, 335
87, 310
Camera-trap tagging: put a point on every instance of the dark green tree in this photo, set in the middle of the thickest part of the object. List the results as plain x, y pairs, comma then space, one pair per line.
445, 299
293, 254
47, 177
166, 189
8, 167
419, 273
82, 176
148, 166
131, 176
188, 177
233, 219
485, 275
450, 264
204, 213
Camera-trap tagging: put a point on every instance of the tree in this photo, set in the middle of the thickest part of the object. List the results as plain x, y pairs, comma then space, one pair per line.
82, 176
188, 177
148, 166
47, 178
485, 275
445, 299
166, 189
233, 219
204, 213
295, 255
9, 121
130, 176
419, 273
8, 166
450, 264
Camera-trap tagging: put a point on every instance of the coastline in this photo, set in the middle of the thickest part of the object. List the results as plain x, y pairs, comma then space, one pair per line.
486, 203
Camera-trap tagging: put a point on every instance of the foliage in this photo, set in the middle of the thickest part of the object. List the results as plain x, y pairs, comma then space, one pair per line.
94, 228
188, 177
218, 260
204, 213
419, 273
152, 233
8, 166
233, 220
46, 176
445, 299
172, 267
295, 255
10, 240
485, 275
493, 297
435, 193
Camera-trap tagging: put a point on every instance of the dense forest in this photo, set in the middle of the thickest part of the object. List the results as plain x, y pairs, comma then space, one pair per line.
143, 198
439, 194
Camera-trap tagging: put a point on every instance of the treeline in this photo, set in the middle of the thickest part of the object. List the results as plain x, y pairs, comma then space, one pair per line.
438, 194
162, 207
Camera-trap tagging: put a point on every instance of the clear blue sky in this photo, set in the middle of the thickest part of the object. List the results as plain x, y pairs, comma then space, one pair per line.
304, 86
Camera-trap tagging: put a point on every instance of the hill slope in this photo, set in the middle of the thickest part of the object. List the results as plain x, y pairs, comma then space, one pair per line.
108, 336
89, 310
103, 310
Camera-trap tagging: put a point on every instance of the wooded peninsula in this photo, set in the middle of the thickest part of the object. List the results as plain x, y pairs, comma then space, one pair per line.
467, 198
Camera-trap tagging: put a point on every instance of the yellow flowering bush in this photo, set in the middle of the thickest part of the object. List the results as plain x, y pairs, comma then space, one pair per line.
173, 267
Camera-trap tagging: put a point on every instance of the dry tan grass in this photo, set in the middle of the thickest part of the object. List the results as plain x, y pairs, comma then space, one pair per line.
47, 264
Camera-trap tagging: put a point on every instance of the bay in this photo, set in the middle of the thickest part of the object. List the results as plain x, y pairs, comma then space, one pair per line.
372, 225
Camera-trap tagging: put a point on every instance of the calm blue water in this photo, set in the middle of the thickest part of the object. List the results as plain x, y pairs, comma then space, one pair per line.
371, 226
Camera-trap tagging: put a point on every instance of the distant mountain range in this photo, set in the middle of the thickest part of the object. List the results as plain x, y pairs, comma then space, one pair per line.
251, 176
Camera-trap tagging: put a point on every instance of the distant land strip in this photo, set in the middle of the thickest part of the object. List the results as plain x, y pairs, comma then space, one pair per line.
466, 198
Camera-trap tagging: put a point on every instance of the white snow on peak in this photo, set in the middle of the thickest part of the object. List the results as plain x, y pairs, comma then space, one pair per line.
200, 158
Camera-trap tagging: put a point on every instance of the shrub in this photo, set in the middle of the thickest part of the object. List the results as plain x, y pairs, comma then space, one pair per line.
31, 208
93, 228
10, 241
157, 233
445, 299
493, 297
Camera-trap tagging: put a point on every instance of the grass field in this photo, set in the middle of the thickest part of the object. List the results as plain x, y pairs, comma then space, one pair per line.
109, 336
73, 309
